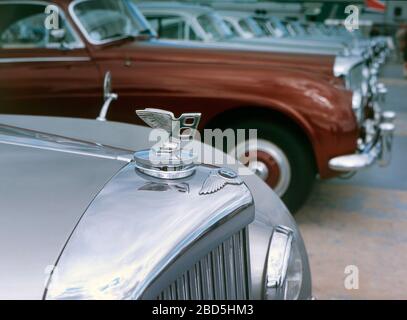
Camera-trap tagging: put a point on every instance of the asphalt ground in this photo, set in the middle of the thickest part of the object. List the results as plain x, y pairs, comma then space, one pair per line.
362, 222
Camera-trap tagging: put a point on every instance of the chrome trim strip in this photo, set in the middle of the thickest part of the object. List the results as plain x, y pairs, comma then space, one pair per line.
32, 139
239, 265
44, 59
219, 273
228, 270
197, 281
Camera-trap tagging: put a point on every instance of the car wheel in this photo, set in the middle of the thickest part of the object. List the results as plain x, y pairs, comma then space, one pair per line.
282, 158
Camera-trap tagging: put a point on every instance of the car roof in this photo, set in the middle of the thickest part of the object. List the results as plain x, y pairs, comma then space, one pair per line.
235, 14
181, 8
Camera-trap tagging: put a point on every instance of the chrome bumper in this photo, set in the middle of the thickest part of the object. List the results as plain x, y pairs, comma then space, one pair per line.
381, 92
380, 152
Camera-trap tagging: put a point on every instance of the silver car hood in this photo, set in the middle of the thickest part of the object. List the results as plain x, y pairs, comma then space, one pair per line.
143, 226
245, 45
349, 41
30, 244
38, 213
298, 42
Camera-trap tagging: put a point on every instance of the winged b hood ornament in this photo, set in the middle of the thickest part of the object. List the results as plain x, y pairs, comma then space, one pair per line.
168, 160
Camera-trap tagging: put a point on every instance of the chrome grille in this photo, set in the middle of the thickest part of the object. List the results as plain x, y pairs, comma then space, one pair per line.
222, 274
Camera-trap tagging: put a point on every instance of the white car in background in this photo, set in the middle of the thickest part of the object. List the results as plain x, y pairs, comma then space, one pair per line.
202, 27
197, 24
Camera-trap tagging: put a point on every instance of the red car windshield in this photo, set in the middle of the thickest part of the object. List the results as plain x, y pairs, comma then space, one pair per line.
103, 21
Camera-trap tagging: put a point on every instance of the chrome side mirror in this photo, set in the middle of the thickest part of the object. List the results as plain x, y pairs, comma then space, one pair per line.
108, 96
107, 85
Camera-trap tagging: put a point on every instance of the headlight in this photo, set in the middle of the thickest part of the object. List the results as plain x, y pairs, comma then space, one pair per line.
284, 266
357, 101
366, 73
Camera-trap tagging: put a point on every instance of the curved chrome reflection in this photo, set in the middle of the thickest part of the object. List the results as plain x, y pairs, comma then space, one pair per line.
284, 266
133, 242
380, 152
343, 64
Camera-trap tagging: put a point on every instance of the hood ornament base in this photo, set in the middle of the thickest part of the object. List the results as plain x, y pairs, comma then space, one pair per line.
168, 160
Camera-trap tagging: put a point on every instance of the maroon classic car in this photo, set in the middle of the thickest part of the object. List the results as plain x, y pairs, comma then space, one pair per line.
304, 116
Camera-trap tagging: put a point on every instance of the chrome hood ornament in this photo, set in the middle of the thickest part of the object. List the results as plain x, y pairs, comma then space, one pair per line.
218, 179
168, 159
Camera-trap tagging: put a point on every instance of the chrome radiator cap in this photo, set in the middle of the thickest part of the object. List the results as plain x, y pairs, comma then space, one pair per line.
168, 160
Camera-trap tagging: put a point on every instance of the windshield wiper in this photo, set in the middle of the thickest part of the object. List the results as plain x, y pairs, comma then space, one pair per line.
147, 33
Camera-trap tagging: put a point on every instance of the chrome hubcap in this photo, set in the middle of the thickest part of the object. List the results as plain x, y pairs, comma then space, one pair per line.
269, 163
260, 169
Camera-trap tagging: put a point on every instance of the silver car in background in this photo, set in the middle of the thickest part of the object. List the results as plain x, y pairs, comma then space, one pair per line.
196, 23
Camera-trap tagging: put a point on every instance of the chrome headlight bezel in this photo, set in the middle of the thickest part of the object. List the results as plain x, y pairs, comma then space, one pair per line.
366, 73
366, 79
284, 269
357, 104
